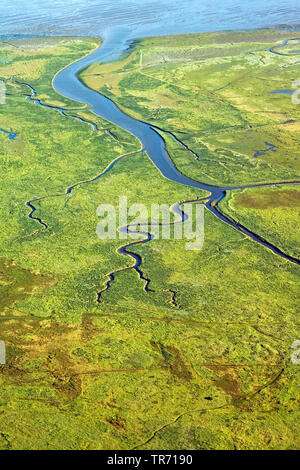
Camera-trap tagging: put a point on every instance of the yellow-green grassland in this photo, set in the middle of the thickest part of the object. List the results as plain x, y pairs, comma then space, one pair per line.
203, 360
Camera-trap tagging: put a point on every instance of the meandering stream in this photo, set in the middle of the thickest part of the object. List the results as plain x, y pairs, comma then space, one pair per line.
67, 83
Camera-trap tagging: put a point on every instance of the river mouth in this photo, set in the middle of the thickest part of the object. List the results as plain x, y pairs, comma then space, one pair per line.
67, 83
188, 349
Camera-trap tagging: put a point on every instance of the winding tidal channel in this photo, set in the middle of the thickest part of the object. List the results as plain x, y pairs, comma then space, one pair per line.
67, 83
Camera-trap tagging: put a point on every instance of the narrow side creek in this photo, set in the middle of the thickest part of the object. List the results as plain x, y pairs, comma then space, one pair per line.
67, 83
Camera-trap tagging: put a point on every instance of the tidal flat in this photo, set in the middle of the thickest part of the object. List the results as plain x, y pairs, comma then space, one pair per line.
210, 370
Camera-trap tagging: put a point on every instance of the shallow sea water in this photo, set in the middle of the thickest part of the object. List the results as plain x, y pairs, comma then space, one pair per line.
139, 18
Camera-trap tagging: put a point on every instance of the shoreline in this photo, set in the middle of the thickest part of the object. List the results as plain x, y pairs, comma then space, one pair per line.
100, 36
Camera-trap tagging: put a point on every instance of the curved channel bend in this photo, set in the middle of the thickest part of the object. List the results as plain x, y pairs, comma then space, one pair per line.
67, 83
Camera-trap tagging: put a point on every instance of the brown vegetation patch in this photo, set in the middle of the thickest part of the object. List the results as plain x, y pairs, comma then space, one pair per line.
175, 361
70, 386
268, 200
117, 422
17, 283
228, 380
